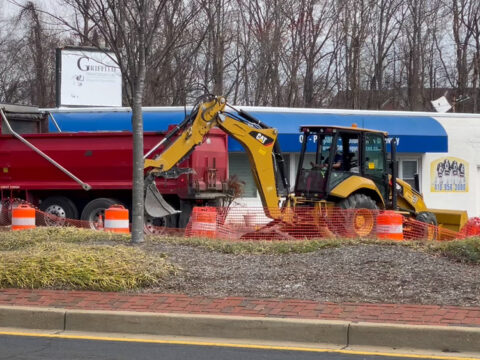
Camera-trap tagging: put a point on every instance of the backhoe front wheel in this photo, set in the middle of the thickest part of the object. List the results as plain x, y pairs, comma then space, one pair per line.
427, 228
356, 217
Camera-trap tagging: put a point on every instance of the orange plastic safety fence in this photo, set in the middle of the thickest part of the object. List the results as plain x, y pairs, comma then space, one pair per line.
96, 222
308, 223
252, 223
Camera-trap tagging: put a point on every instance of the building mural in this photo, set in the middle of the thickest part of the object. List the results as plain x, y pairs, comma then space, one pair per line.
449, 174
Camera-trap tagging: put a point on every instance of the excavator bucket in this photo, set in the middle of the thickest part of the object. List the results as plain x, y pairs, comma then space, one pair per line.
155, 204
452, 220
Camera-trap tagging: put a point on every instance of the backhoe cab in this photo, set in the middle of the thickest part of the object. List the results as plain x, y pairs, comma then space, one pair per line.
337, 162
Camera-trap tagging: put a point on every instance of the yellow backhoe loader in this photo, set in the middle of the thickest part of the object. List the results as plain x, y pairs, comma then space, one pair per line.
339, 168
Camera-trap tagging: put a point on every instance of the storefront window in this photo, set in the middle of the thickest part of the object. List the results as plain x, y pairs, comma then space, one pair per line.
409, 168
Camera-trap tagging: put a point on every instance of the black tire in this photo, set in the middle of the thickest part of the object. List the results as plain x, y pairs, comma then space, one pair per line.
359, 223
428, 231
186, 208
94, 209
56, 211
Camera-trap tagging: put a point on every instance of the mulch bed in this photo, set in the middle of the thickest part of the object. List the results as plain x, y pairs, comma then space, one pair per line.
358, 273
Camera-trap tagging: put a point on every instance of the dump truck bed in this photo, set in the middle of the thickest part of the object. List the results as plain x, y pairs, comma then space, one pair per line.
104, 161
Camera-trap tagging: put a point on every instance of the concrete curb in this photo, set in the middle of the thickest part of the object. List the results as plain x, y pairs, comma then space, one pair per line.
32, 317
439, 338
228, 327
338, 333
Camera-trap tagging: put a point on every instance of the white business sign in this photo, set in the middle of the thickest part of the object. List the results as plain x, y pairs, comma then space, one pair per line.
89, 78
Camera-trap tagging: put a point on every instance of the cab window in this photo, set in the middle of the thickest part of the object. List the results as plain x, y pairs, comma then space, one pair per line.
374, 154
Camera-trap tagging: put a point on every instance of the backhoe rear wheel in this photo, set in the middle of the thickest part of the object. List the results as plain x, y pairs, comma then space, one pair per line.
357, 216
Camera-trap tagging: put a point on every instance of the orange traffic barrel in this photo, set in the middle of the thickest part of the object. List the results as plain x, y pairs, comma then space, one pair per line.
23, 217
116, 219
204, 222
390, 225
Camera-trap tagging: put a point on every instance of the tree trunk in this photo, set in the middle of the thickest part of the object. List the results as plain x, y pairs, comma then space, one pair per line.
138, 199
137, 189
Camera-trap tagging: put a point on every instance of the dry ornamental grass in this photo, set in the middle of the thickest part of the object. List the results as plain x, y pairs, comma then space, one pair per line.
77, 259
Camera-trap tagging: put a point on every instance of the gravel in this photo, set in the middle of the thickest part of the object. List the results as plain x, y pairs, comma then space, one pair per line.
357, 273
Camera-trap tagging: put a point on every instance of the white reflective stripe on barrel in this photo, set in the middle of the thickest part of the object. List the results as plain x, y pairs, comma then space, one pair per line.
23, 221
116, 224
204, 226
389, 229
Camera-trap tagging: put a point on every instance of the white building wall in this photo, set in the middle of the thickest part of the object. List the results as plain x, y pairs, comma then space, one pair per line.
463, 142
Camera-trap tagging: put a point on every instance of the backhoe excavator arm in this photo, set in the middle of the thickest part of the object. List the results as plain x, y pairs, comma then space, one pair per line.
259, 141
192, 135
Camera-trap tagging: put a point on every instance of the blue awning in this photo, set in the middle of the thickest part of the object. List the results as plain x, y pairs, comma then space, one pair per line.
415, 134
114, 120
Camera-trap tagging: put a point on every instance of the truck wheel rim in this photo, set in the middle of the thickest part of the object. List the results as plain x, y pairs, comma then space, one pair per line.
55, 215
152, 229
363, 222
96, 219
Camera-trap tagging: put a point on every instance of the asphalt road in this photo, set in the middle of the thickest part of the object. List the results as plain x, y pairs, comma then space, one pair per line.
13, 347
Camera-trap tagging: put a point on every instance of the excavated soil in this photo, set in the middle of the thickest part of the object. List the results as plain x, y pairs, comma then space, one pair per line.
360, 273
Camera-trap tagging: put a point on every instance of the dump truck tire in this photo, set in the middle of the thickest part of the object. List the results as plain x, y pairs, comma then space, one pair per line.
157, 226
424, 231
94, 212
357, 223
61, 207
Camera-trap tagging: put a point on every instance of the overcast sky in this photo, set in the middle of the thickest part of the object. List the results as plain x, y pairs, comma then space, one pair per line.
9, 8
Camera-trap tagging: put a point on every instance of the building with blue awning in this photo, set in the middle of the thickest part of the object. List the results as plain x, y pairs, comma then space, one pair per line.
424, 141
414, 133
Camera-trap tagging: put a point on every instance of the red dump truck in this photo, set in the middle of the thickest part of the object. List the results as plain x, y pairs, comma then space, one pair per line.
78, 174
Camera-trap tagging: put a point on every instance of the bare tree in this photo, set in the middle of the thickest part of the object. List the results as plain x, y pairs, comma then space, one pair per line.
36, 38
347, 53
172, 71
355, 21
244, 50
216, 42
462, 28
315, 23
27, 71
291, 57
11, 78
475, 28
387, 19
265, 23
418, 34
129, 29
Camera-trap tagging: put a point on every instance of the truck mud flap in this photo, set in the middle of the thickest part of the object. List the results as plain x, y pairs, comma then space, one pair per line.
155, 204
